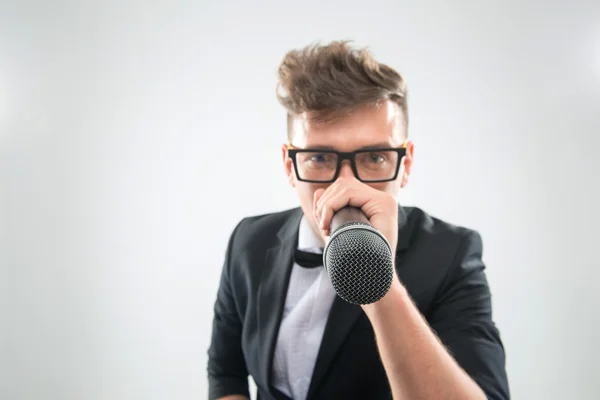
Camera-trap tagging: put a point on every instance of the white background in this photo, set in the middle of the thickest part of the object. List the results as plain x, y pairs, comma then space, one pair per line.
135, 135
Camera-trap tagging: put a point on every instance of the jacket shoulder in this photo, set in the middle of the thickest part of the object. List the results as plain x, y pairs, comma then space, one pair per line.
259, 229
423, 226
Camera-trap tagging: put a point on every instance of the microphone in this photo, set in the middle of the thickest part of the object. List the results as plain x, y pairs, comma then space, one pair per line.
358, 258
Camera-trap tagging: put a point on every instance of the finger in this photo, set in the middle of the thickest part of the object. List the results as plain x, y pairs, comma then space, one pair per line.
317, 196
320, 195
340, 186
368, 200
324, 198
337, 201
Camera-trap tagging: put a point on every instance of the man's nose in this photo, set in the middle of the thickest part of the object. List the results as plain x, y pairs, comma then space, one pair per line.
346, 170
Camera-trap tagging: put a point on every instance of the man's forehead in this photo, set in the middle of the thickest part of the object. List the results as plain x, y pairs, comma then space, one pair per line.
361, 127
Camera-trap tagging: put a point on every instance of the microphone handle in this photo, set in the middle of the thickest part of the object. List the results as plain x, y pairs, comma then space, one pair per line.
345, 215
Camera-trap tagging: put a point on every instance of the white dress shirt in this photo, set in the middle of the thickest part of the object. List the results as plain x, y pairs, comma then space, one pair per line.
307, 304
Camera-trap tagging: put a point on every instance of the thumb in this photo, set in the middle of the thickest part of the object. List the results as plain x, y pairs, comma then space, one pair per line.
317, 195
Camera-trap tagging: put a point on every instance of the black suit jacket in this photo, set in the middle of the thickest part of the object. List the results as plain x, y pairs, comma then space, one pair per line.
440, 265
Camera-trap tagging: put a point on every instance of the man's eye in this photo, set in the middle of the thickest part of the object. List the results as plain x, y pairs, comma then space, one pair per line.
321, 158
375, 158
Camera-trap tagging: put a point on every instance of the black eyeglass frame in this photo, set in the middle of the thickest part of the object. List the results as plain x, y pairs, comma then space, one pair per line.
350, 156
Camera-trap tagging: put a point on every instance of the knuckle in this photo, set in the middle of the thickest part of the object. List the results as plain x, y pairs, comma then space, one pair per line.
342, 180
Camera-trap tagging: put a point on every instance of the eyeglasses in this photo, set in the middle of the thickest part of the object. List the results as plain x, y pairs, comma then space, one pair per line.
368, 165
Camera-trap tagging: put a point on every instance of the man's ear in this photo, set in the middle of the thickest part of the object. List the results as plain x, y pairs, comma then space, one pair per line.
407, 162
287, 165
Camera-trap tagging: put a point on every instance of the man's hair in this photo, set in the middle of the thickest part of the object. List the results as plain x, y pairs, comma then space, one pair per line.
333, 80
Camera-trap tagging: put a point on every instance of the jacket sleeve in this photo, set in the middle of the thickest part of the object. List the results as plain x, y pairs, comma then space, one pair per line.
462, 319
227, 373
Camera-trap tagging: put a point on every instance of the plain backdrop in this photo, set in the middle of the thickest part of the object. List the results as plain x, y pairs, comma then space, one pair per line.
135, 135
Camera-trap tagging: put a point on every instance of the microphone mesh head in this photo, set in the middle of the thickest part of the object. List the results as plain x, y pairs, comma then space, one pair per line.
359, 263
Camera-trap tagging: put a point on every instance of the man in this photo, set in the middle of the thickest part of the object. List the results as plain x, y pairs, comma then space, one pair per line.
278, 319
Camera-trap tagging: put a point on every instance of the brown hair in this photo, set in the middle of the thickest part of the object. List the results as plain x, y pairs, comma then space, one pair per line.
329, 81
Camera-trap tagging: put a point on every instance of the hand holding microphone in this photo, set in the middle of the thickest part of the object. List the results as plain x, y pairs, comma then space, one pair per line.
363, 226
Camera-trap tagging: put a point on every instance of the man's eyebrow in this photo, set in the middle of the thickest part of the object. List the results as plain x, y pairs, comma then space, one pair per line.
383, 145
320, 147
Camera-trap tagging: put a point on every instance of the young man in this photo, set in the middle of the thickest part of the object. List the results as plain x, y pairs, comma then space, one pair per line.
279, 319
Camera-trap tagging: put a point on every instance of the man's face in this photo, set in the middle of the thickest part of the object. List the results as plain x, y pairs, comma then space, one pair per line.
381, 126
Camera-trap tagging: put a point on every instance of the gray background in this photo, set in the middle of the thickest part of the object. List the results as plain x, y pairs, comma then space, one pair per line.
134, 135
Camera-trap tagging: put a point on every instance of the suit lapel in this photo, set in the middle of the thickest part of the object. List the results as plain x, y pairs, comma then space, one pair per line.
344, 315
272, 291
341, 318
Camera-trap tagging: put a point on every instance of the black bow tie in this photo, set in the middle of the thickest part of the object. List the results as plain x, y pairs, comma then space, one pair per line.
308, 260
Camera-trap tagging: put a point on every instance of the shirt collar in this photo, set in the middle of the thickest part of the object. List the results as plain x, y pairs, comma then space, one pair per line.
307, 238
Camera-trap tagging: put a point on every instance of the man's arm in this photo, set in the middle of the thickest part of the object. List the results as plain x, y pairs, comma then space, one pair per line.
227, 373
466, 358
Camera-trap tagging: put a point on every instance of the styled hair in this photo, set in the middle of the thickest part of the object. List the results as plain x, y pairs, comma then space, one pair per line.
330, 81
